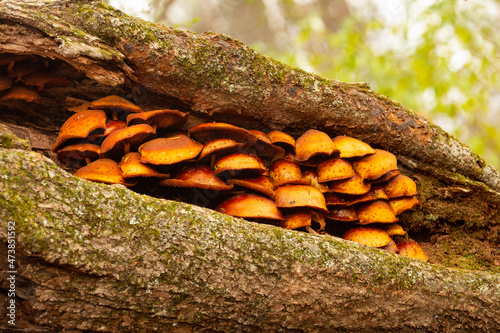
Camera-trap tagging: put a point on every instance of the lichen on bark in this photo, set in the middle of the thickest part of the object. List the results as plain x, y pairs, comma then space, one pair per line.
196, 258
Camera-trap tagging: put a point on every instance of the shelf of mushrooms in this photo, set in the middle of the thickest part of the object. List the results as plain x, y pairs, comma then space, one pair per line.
313, 183
309, 183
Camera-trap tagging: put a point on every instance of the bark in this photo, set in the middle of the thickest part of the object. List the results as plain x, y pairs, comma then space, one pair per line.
103, 258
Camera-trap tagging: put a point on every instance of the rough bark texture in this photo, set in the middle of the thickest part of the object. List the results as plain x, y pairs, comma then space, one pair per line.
103, 258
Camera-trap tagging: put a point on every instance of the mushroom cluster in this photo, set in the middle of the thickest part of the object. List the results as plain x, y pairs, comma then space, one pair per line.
24, 76
314, 183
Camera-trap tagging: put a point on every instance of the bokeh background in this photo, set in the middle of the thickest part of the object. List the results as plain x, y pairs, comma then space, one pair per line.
439, 58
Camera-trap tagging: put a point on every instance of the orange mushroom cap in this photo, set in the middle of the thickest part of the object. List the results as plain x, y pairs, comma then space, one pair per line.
45, 79
158, 118
283, 140
250, 206
378, 211
171, 150
313, 178
394, 229
75, 154
313, 143
197, 176
345, 214
290, 196
20, 93
334, 169
411, 249
239, 163
218, 148
207, 132
376, 165
114, 103
373, 237
283, 172
5, 83
80, 125
115, 145
402, 204
132, 167
351, 147
391, 247
103, 170
353, 185
260, 184
295, 220
385, 177
264, 146
400, 186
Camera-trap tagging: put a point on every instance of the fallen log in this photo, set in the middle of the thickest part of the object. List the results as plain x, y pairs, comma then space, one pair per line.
102, 258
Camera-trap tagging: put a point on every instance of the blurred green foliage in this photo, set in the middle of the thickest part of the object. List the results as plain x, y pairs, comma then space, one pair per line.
440, 60
438, 57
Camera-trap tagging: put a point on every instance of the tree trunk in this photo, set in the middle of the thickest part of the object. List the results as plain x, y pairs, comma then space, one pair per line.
96, 257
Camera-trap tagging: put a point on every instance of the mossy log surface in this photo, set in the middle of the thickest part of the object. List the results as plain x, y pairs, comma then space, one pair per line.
103, 258
111, 259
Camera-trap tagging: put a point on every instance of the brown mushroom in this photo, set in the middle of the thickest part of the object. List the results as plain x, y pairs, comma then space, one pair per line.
79, 126
334, 169
384, 178
103, 170
241, 164
344, 214
260, 184
376, 165
391, 247
400, 186
353, 185
411, 249
313, 178
213, 149
264, 147
132, 167
44, 79
121, 142
250, 206
114, 105
373, 237
295, 220
170, 150
22, 68
207, 132
378, 211
313, 143
284, 172
351, 147
158, 118
5, 83
283, 140
197, 176
111, 126
293, 196
394, 229
402, 204
20, 93
79, 153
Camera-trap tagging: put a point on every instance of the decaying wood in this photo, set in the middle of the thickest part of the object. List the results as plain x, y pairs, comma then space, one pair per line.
102, 258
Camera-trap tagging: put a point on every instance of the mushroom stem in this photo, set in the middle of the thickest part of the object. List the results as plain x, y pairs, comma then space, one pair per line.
126, 148
311, 230
87, 160
114, 116
320, 218
10, 66
212, 160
